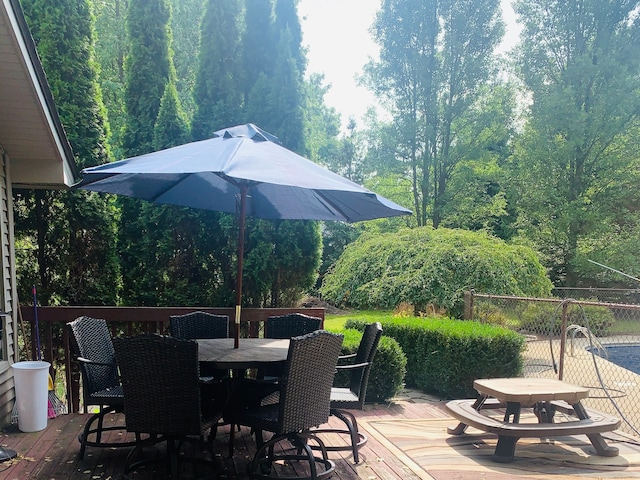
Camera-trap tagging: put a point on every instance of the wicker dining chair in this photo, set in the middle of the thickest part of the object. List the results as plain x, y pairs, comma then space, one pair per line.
304, 397
287, 326
291, 325
194, 325
160, 378
92, 350
353, 397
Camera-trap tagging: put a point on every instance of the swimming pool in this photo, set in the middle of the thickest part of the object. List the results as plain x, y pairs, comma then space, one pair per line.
625, 355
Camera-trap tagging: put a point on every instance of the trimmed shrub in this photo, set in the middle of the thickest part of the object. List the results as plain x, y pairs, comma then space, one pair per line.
445, 356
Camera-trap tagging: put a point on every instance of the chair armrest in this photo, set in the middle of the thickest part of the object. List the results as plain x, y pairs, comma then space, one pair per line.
92, 362
345, 357
352, 366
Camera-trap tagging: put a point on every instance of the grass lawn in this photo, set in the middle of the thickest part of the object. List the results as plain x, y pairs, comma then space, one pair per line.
337, 321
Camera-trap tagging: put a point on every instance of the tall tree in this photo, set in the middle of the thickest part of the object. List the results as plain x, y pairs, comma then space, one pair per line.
258, 45
435, 56
74, 232
111, 47
186, 16
580, 60
149, 69
218, 93
274, 62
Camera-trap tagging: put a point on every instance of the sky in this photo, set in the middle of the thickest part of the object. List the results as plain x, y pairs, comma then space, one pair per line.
336, 33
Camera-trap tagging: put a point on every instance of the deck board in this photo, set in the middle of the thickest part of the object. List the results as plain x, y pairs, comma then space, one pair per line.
53, 452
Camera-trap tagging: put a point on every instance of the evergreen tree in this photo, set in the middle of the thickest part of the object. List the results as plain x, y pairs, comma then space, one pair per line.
258, 43
149, 69
218, 95
172, 127
186, 16
74, 231
274, 67
111, 41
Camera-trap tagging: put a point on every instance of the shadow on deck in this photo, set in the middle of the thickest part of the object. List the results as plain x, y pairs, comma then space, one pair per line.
407, 440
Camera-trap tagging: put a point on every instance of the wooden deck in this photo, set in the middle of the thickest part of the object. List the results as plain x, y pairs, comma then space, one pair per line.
53, 453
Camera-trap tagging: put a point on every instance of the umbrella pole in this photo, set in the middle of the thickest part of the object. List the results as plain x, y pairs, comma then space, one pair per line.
243, 210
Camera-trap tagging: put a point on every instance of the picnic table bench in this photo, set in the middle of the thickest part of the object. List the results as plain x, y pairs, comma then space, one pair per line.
545, 397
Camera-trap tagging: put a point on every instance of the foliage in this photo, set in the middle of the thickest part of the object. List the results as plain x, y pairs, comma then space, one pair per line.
216, 94
186, 46
171, 127
281, 261
580, 63
321, 123
387, 373
445, 356
426, 266
111, 40
148, 69
544, 318
73, 233
435, 58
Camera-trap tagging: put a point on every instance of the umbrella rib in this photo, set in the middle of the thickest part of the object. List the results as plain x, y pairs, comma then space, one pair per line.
183, 177
333, 205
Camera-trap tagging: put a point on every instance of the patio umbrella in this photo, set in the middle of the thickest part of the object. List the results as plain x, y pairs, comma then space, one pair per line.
242, 170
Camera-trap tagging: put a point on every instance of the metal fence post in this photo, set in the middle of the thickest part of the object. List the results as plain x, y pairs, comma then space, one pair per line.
563, 338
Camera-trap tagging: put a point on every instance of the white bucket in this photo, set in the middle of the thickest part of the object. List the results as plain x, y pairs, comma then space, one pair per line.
32, 394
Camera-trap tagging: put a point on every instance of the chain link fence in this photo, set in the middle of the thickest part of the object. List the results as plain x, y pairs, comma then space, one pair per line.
587, 337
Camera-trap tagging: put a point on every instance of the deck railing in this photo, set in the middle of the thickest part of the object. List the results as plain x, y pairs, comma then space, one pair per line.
55, 346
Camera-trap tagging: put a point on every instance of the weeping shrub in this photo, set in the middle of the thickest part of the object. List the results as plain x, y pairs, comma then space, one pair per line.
430, 269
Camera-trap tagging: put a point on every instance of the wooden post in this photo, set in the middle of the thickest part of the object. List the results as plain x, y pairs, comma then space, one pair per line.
468, 304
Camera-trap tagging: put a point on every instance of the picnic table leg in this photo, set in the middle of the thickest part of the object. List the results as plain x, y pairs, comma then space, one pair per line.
461, 427
596, 439
506, 447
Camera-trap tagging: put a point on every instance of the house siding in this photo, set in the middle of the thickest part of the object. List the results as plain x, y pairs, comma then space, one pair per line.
7, 293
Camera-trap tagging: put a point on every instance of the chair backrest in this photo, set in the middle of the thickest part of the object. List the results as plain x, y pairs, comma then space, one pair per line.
91, 339
159, 376
305, 388
291, 325
366, 351
195, 325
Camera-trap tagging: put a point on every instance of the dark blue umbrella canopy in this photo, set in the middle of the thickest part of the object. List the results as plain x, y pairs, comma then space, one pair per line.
242, 170
210, 175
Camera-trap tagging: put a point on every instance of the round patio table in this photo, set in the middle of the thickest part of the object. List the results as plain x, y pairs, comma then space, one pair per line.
252, 352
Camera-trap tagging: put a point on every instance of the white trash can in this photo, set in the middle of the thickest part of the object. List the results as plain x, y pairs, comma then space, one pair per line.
32, 394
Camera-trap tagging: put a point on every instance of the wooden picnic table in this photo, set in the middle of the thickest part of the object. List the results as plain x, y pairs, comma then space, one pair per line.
545, 396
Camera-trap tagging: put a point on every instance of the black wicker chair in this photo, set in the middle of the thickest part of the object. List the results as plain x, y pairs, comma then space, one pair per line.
191, 326
160, 378
287, 326
303, 404
92, 349
291, 325
194, 325
353, 397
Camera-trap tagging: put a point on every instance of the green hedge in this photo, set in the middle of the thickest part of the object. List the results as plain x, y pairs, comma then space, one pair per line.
387, 373
445, 356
